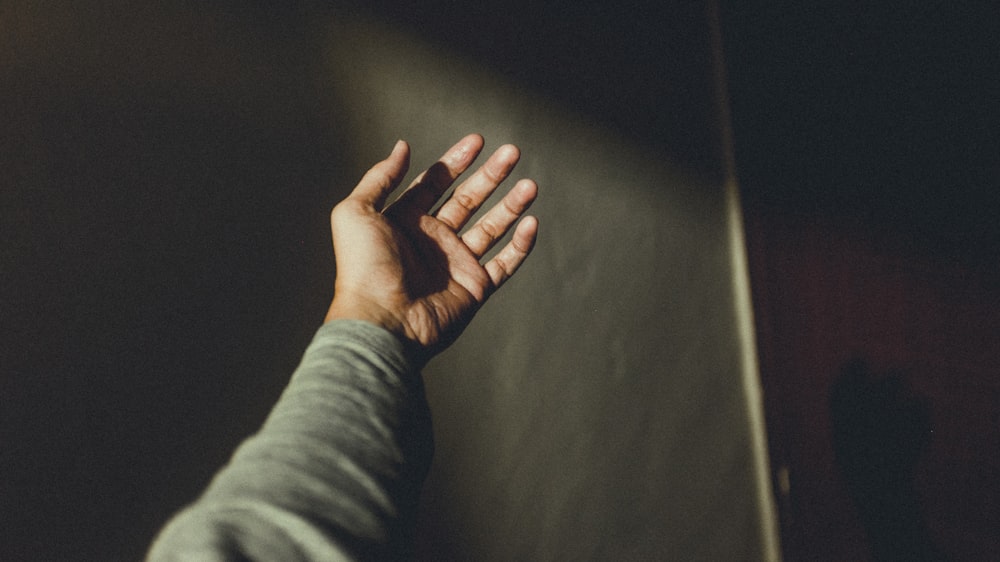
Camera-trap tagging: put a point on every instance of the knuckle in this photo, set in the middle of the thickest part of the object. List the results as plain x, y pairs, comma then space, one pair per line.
465, 201
521, 247
494, 174
490, 229
509, 206
503, 266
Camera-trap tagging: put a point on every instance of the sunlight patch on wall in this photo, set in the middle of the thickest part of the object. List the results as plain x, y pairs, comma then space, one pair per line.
598, 406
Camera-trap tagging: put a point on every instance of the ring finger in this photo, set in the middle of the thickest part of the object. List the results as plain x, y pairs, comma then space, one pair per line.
495, 223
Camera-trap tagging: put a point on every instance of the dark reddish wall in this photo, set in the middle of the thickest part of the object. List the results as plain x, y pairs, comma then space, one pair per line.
868, 157
827, 292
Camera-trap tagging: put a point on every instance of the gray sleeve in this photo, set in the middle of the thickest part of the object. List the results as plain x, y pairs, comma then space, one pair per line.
335, 471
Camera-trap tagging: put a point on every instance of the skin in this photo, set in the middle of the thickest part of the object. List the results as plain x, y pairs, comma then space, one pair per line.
414, 272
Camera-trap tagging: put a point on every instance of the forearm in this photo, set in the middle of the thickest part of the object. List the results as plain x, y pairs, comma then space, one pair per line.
336, 469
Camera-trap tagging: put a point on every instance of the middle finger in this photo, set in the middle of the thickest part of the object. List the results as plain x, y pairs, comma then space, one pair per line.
471, 194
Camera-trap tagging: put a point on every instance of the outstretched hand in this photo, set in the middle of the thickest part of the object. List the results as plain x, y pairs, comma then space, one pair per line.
413, 272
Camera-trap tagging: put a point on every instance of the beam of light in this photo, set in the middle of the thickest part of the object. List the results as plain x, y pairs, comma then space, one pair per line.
750, 362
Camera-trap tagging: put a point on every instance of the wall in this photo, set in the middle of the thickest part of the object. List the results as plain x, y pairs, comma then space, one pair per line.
168, 172
866, 144
829, 293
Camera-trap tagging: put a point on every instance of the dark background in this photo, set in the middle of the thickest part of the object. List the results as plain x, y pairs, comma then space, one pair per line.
884, 111
147, 151
867, 142
164, 197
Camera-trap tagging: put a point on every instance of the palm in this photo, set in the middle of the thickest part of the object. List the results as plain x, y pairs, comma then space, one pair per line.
412, 272
438, 283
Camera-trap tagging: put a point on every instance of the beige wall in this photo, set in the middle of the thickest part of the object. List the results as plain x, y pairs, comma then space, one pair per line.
171, 174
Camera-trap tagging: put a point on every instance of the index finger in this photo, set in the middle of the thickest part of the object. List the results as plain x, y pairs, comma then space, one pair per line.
421, 195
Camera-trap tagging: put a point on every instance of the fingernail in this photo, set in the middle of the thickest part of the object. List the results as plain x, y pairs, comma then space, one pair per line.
399, 145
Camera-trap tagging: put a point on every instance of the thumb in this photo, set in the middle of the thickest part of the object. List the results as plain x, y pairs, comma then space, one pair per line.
382, 178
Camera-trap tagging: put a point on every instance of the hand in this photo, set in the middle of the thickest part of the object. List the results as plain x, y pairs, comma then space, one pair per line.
411, 272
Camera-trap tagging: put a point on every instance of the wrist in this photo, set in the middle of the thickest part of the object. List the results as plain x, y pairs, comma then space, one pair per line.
358, 309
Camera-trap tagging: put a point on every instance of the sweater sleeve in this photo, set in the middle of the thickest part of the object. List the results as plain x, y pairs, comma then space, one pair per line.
334, 473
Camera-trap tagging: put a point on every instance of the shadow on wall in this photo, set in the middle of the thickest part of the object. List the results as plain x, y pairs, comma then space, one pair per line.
625, 69
164, 193
880, 430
